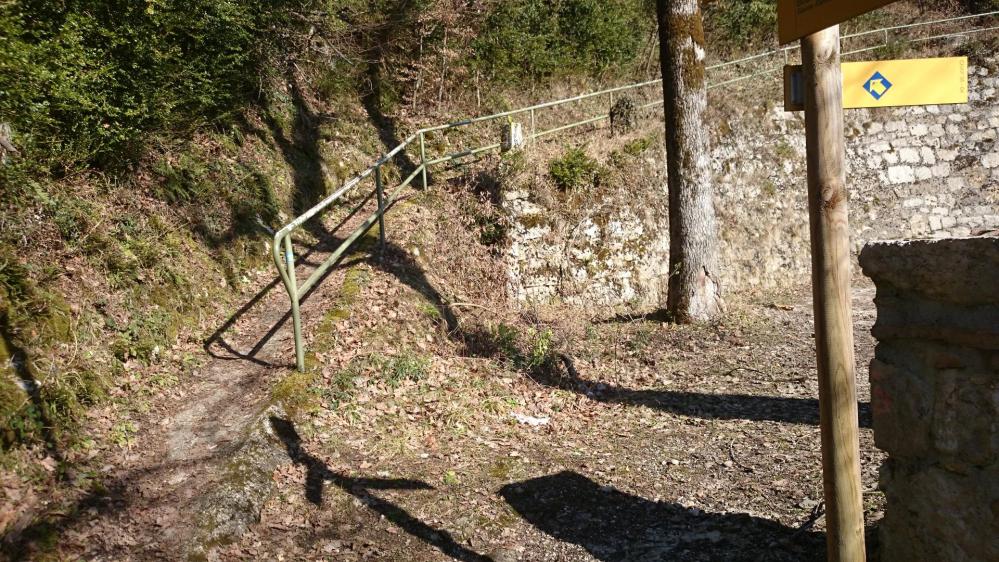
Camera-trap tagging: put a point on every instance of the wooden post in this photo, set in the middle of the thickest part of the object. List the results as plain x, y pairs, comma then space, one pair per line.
830, 235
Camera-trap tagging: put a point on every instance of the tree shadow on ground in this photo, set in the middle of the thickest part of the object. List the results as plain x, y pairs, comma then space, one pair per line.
612, 525
300, 149
107, 497
21, 366
695, 404
399, 20
318, 474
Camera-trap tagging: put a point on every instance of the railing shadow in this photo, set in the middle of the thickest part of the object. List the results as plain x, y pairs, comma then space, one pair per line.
318, 474
327, 243
616, 526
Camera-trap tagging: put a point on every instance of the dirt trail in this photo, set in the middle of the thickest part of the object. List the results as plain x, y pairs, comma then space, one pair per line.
153, 505
661, 441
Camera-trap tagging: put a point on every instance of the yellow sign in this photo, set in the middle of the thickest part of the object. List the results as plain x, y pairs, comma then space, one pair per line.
798, 18
893, 83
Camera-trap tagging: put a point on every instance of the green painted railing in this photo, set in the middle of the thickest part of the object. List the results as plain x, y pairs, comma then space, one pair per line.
284, 253
734, 71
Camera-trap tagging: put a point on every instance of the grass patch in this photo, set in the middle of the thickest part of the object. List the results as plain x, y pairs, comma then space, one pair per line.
407, 366
298, 393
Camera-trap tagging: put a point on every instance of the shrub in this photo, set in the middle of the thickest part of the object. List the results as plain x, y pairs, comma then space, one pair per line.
83, 82
740, 23
536, 39
574, 170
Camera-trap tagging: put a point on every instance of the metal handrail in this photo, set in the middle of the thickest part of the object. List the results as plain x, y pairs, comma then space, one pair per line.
285, 260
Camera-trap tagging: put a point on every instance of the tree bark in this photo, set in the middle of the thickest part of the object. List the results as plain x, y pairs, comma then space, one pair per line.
694, 293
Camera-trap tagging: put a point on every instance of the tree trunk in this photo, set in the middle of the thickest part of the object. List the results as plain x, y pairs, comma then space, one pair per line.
694, 292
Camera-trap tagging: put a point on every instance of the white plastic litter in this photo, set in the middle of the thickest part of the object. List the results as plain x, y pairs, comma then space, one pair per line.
530, 420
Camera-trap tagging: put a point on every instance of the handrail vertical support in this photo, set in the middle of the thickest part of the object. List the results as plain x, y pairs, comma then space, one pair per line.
532, 124
423, 159
381, 208
296, 313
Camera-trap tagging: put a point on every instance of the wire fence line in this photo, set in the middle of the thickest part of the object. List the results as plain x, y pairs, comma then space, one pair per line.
771, 62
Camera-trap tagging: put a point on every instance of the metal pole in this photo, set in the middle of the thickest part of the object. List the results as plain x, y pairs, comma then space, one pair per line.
423, 160
296, 313
830, 240
381, 208
532, 123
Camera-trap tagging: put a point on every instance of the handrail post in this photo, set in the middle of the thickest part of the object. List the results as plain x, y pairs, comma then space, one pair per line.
381, 208
296, 313
423, 160
532, 125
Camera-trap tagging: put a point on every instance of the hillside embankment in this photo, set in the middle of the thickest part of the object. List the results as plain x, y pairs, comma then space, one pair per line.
144, 336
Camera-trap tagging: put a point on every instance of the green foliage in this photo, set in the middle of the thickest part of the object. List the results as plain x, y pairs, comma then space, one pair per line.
574, 170
504, 339
299, 394
740, 23
637, 146
84, 82
144, 337
529, 351
540, 352
537, 39
492, 228
181, 181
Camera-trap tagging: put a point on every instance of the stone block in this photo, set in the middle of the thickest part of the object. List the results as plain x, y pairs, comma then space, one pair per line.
947, 155
901, 174
929, 158
909, 155
956, 271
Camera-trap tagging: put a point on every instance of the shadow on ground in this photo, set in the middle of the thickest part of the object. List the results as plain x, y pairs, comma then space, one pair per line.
615, 526
695, 404
21, 366
317, 475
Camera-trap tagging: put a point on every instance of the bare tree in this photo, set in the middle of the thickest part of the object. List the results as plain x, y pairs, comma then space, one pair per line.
694, 291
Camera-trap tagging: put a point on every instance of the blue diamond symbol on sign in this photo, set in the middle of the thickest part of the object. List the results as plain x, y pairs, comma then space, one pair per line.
877, 85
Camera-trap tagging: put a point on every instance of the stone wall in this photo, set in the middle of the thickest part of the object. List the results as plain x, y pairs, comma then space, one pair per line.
912, 172
935, 396
928, 171
601, 246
